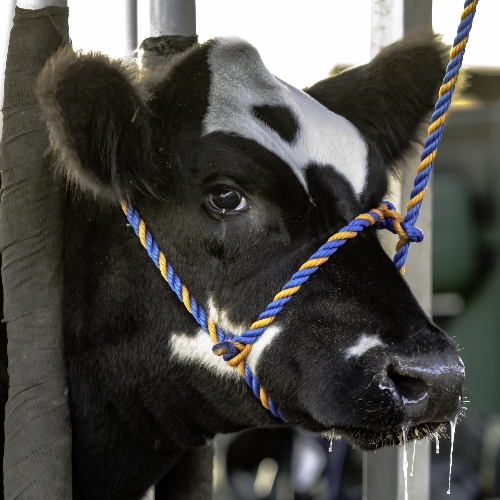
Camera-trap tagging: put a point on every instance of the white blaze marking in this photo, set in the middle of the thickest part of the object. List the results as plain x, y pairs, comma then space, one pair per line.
240, 81
265, 339
197, 350
364, 344
219, 317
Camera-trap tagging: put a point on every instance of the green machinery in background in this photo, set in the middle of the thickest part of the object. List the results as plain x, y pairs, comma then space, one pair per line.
466, 237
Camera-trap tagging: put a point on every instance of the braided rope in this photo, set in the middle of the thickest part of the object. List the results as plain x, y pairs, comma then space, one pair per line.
435, 131
236, 348
190, 303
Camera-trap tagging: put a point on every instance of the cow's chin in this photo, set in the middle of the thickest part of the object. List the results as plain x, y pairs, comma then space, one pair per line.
368, 440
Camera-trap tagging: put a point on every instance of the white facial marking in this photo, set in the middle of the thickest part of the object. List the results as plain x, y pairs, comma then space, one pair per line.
219, 317
265, 339
364, 344
197, 350
240, 81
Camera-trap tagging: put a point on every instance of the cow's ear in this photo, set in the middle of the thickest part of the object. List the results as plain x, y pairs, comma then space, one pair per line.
98, 122
389, 98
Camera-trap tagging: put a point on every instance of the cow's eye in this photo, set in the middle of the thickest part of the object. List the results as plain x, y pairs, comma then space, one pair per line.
227, 200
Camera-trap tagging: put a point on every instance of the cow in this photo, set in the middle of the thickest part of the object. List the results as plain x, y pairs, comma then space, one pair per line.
240, 177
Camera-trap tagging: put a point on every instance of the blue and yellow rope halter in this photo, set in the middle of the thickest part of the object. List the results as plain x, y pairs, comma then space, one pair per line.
236, 348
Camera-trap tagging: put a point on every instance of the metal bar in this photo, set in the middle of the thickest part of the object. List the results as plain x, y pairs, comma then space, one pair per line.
131, 39
383, 472
41, 4
172, 17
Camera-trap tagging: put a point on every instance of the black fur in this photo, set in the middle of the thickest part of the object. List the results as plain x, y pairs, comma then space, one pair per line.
387, 98
280, 119
140, 414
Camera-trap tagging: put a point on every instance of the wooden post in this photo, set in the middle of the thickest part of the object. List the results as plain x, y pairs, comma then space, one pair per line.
383, 471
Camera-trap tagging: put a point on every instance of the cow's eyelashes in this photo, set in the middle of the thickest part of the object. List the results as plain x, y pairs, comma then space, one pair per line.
227, 200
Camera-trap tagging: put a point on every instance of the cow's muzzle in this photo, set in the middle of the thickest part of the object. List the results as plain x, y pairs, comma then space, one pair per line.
428, 388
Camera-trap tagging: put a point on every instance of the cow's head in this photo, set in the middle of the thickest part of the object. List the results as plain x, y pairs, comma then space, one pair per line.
241, 177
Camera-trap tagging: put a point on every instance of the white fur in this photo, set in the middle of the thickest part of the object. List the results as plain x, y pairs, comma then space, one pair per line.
240, 81
197, 350
364, 344
219, 316
258, 348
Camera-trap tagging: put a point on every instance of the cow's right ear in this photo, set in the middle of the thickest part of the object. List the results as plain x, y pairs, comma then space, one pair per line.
98, 122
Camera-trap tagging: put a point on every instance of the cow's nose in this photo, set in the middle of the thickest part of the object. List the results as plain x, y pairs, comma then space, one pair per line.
429, 387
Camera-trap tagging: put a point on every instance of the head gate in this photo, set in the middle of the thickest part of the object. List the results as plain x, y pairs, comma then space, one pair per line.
235, 348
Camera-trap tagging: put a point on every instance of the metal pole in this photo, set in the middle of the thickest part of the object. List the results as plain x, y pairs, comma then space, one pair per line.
383, 471
172, 30
41, 4
172, 17
131, 41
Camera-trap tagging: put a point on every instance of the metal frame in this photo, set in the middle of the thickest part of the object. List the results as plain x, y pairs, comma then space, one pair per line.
166, 18
41, 4
383, 471
172, 17
131, 37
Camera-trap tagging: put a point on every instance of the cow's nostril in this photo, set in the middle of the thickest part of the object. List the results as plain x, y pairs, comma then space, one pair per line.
411, 390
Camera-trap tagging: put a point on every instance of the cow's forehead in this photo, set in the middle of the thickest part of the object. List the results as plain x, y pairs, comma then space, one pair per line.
240, 84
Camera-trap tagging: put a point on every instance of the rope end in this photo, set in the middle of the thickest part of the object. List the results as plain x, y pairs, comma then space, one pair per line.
226, 348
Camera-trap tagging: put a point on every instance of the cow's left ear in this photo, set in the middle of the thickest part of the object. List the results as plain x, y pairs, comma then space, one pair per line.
389, 98
99, 124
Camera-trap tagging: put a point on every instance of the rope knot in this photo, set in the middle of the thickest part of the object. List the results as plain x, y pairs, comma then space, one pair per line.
394, 222
227, 348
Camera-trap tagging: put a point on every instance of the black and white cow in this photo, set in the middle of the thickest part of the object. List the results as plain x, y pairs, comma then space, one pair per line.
240, 177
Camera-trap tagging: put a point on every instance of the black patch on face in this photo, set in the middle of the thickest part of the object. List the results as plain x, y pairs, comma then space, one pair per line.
332, 195
280, 119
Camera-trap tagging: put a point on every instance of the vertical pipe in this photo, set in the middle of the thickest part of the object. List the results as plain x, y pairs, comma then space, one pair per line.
172, 30
172, 17
37, 456
41, 4
131, 40
383, 473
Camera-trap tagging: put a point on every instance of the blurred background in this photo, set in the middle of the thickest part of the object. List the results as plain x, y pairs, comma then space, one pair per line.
301, 43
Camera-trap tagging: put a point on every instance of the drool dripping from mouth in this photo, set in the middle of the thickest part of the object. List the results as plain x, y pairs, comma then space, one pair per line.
413, 457
453, 425
404, 443
404, 429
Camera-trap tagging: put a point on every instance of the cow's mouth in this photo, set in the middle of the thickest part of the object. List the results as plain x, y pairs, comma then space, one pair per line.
368, 440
